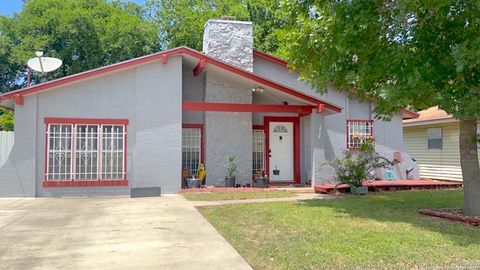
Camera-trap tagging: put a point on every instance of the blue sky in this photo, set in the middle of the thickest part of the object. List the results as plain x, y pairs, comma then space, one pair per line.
8, 7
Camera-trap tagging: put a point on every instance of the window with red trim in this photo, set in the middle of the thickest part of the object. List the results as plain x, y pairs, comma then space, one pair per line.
85, 152
359, 132
191, 149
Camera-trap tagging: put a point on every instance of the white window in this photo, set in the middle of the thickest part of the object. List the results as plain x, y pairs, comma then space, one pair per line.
435, 138
191, 149
258, 151
85, 152
59, 152
359, 132
112, 152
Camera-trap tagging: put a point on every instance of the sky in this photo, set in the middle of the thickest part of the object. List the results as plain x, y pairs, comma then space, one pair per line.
8, 7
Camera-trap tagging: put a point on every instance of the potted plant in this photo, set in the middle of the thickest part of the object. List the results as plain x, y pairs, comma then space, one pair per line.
356, 166
261, 179
230, 168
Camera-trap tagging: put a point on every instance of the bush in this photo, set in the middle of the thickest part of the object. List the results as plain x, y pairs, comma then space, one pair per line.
355, 166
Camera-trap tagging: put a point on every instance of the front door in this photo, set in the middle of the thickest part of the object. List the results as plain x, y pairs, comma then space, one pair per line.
281, 151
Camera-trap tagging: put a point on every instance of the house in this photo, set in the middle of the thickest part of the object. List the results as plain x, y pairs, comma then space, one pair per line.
433, 140
138, 123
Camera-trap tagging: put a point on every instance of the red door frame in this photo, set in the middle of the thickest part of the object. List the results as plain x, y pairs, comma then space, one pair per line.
296, 146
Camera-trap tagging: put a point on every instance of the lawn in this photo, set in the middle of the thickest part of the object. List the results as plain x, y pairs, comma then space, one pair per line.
236, 195
378, 231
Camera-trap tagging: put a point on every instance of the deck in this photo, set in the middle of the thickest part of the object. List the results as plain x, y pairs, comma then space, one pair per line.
394, 185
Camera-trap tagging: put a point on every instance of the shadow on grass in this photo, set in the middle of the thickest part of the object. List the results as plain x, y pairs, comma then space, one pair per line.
402, 207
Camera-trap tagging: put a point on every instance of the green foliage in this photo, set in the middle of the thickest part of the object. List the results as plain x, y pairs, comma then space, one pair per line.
85, 34
356, 166
230, 166
181, 22
398, 53
6, 120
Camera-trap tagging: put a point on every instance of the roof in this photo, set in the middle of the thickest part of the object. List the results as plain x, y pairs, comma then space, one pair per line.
430, 116
18, 94
406, 112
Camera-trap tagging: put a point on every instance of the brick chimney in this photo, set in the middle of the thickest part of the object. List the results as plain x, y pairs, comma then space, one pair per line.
230, 41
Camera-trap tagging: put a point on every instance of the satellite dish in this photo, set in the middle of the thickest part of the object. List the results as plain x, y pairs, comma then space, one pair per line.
44, 64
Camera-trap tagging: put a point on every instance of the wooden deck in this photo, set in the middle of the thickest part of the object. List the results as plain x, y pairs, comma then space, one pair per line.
394, 185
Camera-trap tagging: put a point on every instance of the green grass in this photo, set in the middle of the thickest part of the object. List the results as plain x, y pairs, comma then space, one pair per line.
236, 195
378, 231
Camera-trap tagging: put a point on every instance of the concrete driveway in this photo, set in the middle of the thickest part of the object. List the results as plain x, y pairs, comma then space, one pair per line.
110, 233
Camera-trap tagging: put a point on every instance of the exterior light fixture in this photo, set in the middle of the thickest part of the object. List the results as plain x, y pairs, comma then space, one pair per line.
258, 89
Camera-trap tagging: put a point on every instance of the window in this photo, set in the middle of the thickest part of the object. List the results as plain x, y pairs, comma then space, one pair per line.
435, 138
358, 133
258, 151
191, 148
280, 129
85, 151
478, 138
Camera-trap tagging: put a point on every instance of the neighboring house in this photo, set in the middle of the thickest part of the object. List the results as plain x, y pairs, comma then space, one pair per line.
432, 139
138, 123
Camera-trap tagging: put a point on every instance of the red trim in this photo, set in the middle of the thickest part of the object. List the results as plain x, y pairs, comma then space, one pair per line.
410, 113
79, 183
164, 59
93, 183
271, 58
321, 108
156, 56
202, 141
92, 121
296, 144
245, 107
199, 68
19, 99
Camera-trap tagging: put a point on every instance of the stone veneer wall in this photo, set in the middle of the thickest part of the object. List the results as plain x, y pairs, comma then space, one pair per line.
230, 41
227, 133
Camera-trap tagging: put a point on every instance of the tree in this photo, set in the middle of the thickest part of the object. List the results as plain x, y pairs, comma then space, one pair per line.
6, 120
181, 22
85, 34
398, 53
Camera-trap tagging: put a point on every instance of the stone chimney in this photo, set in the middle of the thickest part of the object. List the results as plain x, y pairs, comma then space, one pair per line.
230, 41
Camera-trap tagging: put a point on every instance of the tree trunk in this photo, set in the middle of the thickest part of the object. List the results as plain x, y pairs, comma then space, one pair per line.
470, 167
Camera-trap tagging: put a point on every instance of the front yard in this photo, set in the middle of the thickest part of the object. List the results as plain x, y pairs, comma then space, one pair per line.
378, 231
236, 195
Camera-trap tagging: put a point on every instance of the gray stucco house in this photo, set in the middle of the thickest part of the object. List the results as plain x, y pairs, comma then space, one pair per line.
138, 123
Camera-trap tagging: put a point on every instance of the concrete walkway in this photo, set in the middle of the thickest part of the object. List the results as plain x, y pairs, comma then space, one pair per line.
299, 197
110, 233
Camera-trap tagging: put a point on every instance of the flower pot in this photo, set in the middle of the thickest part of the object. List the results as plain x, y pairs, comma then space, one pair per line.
262, 182
363, 190
229, 181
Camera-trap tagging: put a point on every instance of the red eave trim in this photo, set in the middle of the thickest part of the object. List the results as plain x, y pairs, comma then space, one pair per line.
410, 113
271, 58
53, 120
161, 55
92, 183
245, 107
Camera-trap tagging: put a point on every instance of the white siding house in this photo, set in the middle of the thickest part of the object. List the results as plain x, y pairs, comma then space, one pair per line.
433, 140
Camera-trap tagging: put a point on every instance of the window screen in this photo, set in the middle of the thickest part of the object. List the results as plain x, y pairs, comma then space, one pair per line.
435, 138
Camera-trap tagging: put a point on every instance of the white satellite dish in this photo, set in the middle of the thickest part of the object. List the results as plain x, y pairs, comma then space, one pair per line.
44, 64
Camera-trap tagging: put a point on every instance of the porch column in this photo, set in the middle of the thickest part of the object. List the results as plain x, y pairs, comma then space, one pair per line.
227, 133
317, 138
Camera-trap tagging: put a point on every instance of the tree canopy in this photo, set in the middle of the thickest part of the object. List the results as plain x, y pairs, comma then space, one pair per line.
398, 53
181, 22
6, 120
85, 34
